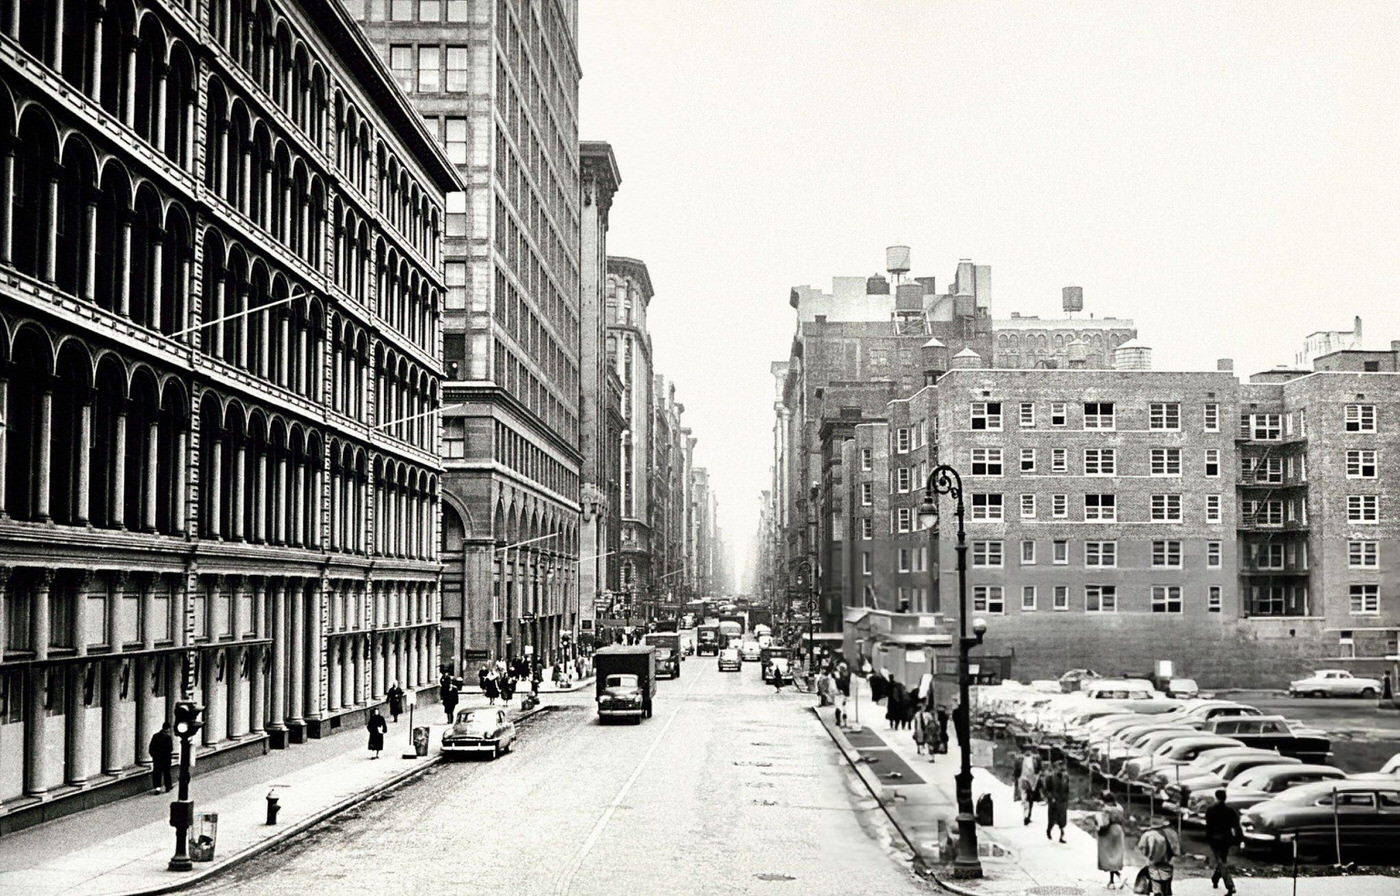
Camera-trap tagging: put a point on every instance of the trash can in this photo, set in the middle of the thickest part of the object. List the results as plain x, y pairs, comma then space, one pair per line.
983, 810
420, 740
203, 835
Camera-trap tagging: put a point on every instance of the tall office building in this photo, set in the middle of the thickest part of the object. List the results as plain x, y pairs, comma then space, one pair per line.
219, 288
497, 82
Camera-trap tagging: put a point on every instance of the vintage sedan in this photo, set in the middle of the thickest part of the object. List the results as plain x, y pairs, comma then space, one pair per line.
1334, 683
1176, 751
729, 660
1327, 817
1274, 733
1175, 785
485, 730
1263, 783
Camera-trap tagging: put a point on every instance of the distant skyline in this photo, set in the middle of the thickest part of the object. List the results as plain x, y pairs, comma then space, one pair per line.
1222, 173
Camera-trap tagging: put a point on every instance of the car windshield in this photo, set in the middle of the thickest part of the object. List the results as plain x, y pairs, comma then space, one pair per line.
663, 652
467, 716
622, 681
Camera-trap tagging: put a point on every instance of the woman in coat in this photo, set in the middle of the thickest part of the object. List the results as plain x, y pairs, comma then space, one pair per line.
377, 726
395, 695
491, 687
1111, 821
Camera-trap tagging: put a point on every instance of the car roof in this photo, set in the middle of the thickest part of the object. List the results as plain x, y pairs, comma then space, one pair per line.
1313, 789
1284, 769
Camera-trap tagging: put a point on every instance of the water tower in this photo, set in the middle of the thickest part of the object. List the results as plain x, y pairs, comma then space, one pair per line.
1072, 299
897, 262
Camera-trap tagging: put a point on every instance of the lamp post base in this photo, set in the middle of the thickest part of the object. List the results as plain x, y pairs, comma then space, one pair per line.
967, 864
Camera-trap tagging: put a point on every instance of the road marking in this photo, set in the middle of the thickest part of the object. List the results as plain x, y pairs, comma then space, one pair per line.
567, 878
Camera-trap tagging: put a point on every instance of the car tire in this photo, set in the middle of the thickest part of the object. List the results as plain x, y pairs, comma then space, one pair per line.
1368, 693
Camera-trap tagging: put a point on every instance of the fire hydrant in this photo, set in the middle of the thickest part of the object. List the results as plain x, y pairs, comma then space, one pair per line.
272, 806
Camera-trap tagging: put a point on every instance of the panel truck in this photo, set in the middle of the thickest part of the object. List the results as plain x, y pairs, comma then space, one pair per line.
626, 681
707, 640
668, 653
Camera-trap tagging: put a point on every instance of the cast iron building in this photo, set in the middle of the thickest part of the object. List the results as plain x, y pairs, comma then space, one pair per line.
498, 83
197, 503
629, 349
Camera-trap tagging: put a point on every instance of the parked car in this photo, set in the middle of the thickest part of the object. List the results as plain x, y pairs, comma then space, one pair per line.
1177, 785
1334, 683
486, 730
750, 651
1274, 733
729, 660
1073, 679
1262, 783
1172, 752
1182, 688
1199, 712
1362, 815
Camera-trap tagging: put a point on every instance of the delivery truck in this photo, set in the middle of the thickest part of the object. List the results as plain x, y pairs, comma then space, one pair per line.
626, 677
668, 653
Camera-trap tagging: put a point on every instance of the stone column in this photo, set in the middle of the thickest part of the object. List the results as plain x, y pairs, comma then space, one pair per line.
45, 452
240, 456
357, 659
152, 474
76, 717
162, 82
112, 760
124, 282
7, 191
51, 262
257, 684
180, 498
237, 690
298, 533
146, 718
157, 277
212, 481
279, 515
118, 514
36, 737
89, 284
129, 106
81, 510
297, 665
316, 652
278, 716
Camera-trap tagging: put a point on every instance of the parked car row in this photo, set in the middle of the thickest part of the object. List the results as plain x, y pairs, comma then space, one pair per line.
1276, 772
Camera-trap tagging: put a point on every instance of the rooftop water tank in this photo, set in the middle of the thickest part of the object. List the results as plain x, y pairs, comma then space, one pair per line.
966, 359
1077, 352
877, 286
909, 297
1132, 355
1072, 298
897, 259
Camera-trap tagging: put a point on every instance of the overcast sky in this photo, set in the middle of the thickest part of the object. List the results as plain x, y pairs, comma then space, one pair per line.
1226, 174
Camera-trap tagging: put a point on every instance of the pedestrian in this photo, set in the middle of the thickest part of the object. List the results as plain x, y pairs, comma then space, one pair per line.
942, 728
1056, 791
557, 675
777, 674
449, 696
162, 751
840, 714
1223, 832
481, 678
395, 695
1028, 781
377, 726
1111, 821
1159, 844
507, 684
925, 735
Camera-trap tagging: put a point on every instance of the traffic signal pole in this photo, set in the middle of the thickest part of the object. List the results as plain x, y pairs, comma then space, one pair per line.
187, 724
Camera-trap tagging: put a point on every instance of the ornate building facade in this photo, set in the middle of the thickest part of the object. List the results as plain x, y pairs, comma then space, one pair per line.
220, 236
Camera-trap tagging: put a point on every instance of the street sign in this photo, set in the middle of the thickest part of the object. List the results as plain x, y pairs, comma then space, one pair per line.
527, 617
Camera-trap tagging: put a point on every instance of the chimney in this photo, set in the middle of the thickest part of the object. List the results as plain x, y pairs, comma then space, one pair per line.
1225, 365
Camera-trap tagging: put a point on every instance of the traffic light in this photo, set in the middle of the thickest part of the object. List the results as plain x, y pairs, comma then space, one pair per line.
187, 719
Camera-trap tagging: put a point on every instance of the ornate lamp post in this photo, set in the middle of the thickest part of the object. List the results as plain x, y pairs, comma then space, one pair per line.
944, 480
813, 590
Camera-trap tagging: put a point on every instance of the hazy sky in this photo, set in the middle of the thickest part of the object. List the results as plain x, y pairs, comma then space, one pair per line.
1226, 174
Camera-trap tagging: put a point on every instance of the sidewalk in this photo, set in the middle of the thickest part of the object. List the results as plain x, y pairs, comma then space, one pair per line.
920, 799
123, 847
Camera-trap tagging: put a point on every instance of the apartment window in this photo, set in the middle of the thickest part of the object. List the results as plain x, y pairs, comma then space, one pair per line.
1027, 415
1211, 417
429, 69
1268, 556
1166, 598
455, 140
1028, 598
458, 10
1057, 413
987, 554
1098, 415
865, 568
865, 459
1263, 427
901, 440
1100, 461
401, 10
1059, 460
1060, 600
1262, 513
867, 494
1269, 470
987, 599
456, 208
1213, 555
902, 518
1100, 507
904, 560
1212, 461
1027, 460
458, 64
1214, 602
1213, 508
455, 273
401, 64
901, 480
1101, 553
429, 10
1059, 506
1363, 554
1164, 415
1166, 554
1028, 507
1101, 598
1363, 509
1365, 600
1166, 462
986, 415
986, 507
1361, 418
1059, 552
986, 461
1361, 464
1166, 508
1027, 553
454, 437
867, 528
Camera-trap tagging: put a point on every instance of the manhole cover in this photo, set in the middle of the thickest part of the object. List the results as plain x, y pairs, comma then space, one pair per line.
1054, 891
770, 875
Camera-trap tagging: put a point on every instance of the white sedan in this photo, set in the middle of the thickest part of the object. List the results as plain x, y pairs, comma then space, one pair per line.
1334, 683
485, 730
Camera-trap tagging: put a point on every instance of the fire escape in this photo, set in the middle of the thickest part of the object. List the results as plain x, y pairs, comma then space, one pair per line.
1273, 525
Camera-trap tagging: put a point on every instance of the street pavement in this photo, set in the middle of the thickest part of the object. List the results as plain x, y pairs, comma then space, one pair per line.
1016, 858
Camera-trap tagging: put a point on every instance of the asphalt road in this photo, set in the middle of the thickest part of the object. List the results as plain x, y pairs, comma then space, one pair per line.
728, 788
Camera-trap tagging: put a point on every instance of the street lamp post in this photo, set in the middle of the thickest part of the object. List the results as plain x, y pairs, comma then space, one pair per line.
814, 590
944, 480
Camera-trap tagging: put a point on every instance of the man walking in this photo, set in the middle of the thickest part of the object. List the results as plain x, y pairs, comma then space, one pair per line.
161, 749
449, 696
1222, 832
1159, 844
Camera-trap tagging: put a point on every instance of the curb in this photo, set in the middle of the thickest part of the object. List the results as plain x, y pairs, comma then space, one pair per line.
286, 834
